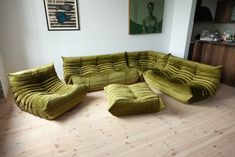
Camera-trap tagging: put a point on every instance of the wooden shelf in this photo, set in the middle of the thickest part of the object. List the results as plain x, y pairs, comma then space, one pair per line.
224, 11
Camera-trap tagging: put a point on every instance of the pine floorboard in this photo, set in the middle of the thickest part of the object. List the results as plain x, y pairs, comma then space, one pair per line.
203, 129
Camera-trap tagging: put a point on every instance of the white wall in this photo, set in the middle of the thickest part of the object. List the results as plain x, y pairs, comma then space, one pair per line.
182, 27
25, 41
3, 76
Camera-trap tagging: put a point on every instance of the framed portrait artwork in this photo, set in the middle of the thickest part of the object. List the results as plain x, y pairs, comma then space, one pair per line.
62, 14
145, 16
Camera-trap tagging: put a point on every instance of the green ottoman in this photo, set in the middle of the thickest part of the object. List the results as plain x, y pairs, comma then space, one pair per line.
132, 99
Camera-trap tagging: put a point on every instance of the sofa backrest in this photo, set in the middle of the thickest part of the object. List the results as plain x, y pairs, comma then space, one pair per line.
145, 60
181, 70
93, 64
193, 73
37, 79
212, 73
157, 59
179, 65
209, 77
137, 59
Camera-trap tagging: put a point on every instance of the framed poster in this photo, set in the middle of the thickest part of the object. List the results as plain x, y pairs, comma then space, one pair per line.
62, 15
145, 16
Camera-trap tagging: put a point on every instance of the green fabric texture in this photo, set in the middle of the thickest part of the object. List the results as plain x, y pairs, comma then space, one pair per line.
178, 91
39, 91
145, 60
132, 99
98, 71
186, 81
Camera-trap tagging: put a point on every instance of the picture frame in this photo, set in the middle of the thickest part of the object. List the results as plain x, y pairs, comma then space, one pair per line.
146, 16
62, 15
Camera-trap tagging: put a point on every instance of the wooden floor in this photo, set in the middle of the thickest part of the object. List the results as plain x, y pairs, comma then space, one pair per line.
204, 129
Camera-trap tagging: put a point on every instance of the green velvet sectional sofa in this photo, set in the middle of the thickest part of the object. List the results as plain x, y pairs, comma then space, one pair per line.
39, 91
181, 79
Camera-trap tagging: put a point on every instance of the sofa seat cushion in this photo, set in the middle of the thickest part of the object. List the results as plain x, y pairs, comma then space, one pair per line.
98, 80
175, 75
132, 99
132, 75
179, 91
180, 70
95, 81
168, 83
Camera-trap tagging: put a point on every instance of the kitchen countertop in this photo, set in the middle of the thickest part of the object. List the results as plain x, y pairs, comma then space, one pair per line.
214, 42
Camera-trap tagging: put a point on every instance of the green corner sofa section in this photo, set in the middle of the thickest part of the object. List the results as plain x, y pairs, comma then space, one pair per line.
39, 91
184, 80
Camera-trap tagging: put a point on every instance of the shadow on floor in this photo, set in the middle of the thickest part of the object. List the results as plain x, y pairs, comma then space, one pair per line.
77, 109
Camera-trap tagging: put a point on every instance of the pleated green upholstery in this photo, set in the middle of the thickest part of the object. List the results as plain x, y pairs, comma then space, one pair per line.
132, 99
137, 59
206, 81
39, 91
185, 80
145, 60
98, 71
178, 91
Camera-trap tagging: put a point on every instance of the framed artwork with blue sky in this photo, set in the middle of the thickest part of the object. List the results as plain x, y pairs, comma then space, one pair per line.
62, 15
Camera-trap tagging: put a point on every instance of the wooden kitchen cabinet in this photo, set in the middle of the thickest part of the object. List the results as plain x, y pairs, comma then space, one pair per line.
217, 54
229, 66
225, 11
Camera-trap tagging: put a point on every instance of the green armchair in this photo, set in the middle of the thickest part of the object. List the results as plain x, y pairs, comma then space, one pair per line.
39, 91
